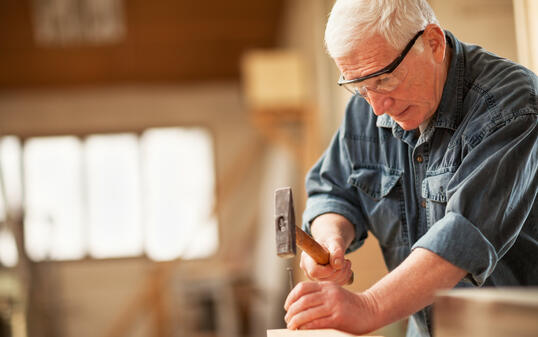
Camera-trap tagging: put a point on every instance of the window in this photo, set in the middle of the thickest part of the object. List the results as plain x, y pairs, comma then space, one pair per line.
120, 195
10, 186
53, 198
179, 190
114, 198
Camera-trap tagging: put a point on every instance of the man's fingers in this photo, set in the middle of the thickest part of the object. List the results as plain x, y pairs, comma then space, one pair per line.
338, 270
313, 270
328, 305
341, 276
303, 303
322, 273
300, 290
320, 323
307, 316
345, 273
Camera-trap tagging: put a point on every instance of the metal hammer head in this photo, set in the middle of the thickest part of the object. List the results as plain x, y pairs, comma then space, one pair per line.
284, 223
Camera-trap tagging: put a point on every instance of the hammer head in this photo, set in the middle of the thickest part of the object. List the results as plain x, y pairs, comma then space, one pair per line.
284, 223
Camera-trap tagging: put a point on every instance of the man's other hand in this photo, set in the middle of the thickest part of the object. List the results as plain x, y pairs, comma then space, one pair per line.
335, 233
326, 305
338, 270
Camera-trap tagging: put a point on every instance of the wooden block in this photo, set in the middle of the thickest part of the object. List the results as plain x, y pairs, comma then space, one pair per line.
308, 333
273, 78
487, 312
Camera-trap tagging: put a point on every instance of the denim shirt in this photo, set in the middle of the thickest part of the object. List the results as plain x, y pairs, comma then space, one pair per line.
464, 189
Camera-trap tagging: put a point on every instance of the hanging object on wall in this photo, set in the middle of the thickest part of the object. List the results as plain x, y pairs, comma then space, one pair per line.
78, 22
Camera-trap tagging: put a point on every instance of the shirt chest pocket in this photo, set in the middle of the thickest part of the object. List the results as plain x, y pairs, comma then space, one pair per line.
381, 198
434, 192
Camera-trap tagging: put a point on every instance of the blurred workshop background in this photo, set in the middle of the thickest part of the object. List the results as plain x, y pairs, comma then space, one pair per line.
140, 145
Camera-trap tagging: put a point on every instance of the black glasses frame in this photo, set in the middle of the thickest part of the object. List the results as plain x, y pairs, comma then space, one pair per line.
388, 69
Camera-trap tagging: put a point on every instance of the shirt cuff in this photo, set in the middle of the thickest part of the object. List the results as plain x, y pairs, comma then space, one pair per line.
461, 243
317, 207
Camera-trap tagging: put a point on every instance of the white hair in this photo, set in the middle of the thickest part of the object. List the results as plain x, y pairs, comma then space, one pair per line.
396, 20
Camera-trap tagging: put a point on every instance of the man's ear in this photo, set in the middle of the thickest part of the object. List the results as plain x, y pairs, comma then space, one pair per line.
434, 40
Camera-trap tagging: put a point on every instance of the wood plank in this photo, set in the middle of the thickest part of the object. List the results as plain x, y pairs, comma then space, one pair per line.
308, 333
486, 312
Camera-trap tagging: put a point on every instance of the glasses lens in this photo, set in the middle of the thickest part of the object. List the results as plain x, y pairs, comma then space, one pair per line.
349, 88
386, 84
389, 82
382, 84
356, 88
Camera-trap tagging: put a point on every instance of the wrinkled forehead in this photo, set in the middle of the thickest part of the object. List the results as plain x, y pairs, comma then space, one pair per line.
367, 56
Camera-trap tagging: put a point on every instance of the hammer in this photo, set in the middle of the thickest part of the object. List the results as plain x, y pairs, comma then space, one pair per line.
288, 235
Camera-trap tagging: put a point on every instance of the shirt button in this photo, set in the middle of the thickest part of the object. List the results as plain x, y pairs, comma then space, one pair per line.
420, 159
423, 203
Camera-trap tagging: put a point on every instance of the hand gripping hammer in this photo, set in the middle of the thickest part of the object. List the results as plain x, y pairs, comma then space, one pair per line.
288, 235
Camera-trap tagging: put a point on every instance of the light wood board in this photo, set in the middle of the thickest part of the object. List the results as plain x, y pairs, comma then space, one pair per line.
308, 333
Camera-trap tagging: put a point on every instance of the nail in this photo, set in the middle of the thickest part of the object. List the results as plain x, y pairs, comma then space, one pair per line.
290, 277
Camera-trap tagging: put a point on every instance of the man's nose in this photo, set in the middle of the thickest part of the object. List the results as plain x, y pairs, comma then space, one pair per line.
379, 102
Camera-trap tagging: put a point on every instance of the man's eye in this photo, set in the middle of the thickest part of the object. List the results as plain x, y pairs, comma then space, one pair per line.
384, 82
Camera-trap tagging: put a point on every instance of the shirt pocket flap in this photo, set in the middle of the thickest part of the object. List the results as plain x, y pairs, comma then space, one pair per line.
434, 187
376, 181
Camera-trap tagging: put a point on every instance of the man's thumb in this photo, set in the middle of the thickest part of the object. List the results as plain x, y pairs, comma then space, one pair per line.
336, 257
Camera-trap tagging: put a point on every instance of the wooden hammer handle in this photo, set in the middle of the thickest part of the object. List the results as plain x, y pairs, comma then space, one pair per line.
314, 249
311, 247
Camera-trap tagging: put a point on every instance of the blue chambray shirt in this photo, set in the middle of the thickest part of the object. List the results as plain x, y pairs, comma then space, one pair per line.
464, 189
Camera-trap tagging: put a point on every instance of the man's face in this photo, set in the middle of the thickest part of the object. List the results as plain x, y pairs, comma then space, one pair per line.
417, 96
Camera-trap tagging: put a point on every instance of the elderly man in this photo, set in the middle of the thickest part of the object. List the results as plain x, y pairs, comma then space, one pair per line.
437, 157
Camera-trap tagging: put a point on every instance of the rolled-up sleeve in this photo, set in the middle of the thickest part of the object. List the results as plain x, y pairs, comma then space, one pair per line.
490, 196
329, 191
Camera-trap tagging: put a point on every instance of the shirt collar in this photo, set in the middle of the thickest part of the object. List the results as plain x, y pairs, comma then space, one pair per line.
449, 112
385, 121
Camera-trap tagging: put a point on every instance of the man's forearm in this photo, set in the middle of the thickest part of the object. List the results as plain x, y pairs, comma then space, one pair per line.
408, 288
412, 286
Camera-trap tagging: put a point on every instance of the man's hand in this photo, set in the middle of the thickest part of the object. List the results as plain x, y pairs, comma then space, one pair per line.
335, 233
321, 305
404, 291
338, 270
